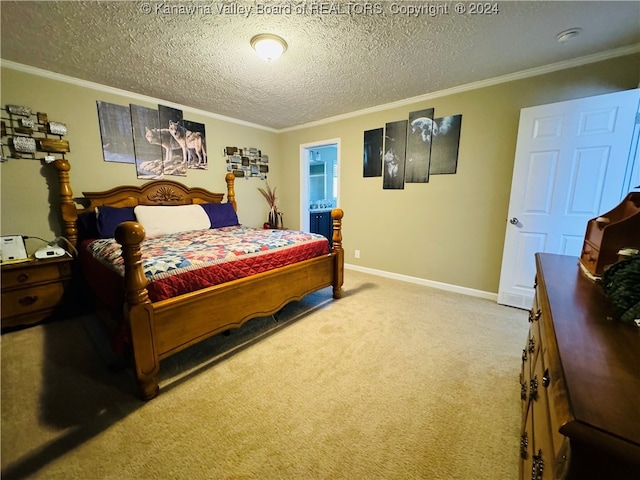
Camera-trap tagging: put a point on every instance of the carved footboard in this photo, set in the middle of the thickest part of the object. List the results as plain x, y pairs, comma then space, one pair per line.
163, 328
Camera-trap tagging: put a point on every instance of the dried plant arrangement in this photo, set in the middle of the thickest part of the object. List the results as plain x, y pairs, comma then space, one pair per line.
270, 196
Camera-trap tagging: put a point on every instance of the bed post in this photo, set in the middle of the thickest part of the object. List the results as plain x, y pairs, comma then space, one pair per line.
138, 310
338, 276
67, 205
230, 178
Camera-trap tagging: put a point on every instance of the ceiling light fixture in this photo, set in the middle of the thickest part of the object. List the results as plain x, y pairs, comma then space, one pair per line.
566, 35
269, 46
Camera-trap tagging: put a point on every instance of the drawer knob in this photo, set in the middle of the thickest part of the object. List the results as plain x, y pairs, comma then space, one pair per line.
532, 345
23, 277
546, 379
524, 355
28, 300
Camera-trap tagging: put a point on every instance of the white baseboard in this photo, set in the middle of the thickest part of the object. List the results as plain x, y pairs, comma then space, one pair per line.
421, 281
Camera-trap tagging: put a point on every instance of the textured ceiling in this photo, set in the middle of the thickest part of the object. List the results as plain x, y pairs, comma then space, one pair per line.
342, 56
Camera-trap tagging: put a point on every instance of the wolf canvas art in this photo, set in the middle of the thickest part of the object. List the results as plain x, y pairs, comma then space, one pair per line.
149, 157
115, 131
175, 163
191, 142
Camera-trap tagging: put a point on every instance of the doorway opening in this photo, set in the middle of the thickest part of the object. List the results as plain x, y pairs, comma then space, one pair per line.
319, 185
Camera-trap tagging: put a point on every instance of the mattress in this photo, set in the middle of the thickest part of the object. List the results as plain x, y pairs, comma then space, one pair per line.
185, 262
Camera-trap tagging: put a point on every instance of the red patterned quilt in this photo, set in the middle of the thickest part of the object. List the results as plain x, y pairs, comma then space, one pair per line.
188, 261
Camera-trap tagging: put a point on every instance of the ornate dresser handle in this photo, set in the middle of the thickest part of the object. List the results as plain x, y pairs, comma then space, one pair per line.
546, 379
28, 300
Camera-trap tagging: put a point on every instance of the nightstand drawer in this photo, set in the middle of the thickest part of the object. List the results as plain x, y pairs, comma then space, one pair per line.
41, 297
33, 291
34, 273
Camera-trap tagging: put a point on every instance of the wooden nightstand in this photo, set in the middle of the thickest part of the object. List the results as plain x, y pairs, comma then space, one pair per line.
33, 291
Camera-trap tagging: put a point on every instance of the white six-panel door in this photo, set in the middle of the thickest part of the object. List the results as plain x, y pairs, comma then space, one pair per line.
570, 166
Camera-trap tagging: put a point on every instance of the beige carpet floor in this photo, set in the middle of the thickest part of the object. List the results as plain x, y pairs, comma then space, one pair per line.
394, 381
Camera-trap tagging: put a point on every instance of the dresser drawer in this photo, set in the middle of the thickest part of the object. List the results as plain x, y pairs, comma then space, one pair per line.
36, 273
40, 297
531, 349
556, 392
536, 445
525, 375
526, 445
542, 435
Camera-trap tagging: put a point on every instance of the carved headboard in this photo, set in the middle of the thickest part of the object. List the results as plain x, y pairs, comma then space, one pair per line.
155, 192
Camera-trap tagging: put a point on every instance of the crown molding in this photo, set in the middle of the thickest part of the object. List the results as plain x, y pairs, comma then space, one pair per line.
117, 91
532, 72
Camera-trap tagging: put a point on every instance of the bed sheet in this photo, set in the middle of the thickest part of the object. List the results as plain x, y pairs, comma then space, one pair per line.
188, 261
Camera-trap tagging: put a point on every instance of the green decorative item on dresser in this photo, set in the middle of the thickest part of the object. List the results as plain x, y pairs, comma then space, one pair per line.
621, 284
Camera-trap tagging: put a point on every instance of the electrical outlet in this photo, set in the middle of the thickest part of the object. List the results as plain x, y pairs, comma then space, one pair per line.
357, 253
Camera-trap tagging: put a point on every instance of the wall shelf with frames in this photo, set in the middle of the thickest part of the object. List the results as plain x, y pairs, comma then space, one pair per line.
247, 162
28, 135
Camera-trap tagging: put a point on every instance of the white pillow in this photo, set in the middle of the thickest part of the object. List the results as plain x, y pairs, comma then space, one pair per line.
164, 220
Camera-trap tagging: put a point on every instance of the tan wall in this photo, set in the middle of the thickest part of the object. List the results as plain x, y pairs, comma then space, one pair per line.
29, 186
450, 230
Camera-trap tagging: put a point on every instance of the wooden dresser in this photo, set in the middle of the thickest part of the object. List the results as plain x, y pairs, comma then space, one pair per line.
580, 381
34, 290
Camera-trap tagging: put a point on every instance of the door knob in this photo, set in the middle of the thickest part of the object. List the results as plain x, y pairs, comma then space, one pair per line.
514, 221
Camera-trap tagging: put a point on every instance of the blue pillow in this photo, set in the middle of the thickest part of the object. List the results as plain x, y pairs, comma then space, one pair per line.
221, 214
108, 218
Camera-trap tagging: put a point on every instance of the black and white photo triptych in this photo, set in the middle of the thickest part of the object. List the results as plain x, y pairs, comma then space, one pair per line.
410, 151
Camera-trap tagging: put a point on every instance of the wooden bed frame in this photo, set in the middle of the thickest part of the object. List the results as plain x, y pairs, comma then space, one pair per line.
163, 328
